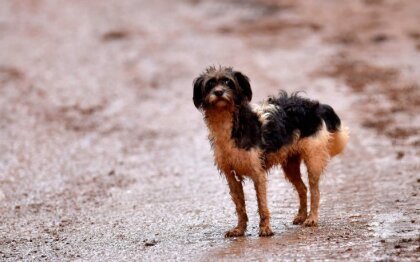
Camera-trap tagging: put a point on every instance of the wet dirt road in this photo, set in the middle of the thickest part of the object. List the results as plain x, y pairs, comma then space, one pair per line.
103, 155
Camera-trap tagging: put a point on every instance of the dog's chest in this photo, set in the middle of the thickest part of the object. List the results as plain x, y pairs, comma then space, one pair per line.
228, 156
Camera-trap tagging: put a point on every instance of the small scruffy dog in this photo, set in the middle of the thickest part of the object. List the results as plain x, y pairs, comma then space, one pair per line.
248, 140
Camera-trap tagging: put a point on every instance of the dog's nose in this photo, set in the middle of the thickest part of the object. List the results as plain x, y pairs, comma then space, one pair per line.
218, 92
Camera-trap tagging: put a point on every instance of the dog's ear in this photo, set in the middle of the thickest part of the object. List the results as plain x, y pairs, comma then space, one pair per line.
243, 82
198, 91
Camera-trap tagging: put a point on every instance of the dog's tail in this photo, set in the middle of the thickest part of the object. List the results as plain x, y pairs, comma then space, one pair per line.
339, 133
338, 140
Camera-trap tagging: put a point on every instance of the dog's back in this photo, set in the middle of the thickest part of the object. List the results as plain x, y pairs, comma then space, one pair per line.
287, 117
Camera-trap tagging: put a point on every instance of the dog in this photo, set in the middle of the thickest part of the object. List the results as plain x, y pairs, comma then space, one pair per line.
248, 140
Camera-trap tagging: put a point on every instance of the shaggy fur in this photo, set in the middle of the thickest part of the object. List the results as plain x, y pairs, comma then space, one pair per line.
248, 140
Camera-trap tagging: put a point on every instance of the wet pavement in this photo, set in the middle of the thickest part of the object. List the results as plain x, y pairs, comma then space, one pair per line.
103, 155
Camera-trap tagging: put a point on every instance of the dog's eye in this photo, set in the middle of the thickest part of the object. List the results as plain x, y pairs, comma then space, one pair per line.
210, 84
228, 82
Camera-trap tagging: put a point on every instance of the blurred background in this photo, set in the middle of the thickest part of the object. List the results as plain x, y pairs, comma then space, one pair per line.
103, 155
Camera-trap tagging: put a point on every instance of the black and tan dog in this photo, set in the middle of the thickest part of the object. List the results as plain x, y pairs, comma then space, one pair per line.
248, 140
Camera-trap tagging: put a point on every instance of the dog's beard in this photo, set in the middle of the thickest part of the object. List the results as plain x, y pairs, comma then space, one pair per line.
219, 102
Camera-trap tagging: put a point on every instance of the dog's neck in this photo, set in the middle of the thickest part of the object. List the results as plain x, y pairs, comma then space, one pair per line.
220, 124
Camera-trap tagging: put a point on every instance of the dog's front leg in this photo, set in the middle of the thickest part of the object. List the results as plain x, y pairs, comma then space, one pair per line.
260, 184
237, 194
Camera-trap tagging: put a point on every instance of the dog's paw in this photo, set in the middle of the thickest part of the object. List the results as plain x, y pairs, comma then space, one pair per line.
299, 219
266, 232
235, 232
311, 222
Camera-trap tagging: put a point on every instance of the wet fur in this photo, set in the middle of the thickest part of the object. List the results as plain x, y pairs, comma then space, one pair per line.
248, 140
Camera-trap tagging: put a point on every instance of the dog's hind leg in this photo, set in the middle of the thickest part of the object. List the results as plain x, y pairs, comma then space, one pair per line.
260, 184
237, 194
292, 171
315, 164
312, 219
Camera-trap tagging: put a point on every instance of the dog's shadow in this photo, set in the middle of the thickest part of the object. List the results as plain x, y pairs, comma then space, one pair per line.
255, 247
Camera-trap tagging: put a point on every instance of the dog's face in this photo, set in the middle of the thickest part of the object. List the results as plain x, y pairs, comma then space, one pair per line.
221, 88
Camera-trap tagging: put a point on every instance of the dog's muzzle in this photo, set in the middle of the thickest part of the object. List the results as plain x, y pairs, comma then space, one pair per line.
219, 96
219, 93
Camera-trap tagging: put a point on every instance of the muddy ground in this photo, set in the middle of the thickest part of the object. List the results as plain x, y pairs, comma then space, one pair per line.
103, 155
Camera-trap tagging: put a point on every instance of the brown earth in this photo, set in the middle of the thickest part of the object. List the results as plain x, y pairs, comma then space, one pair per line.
104, 157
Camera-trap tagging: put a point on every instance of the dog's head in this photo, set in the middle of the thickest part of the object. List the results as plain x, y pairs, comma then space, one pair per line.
221, 88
